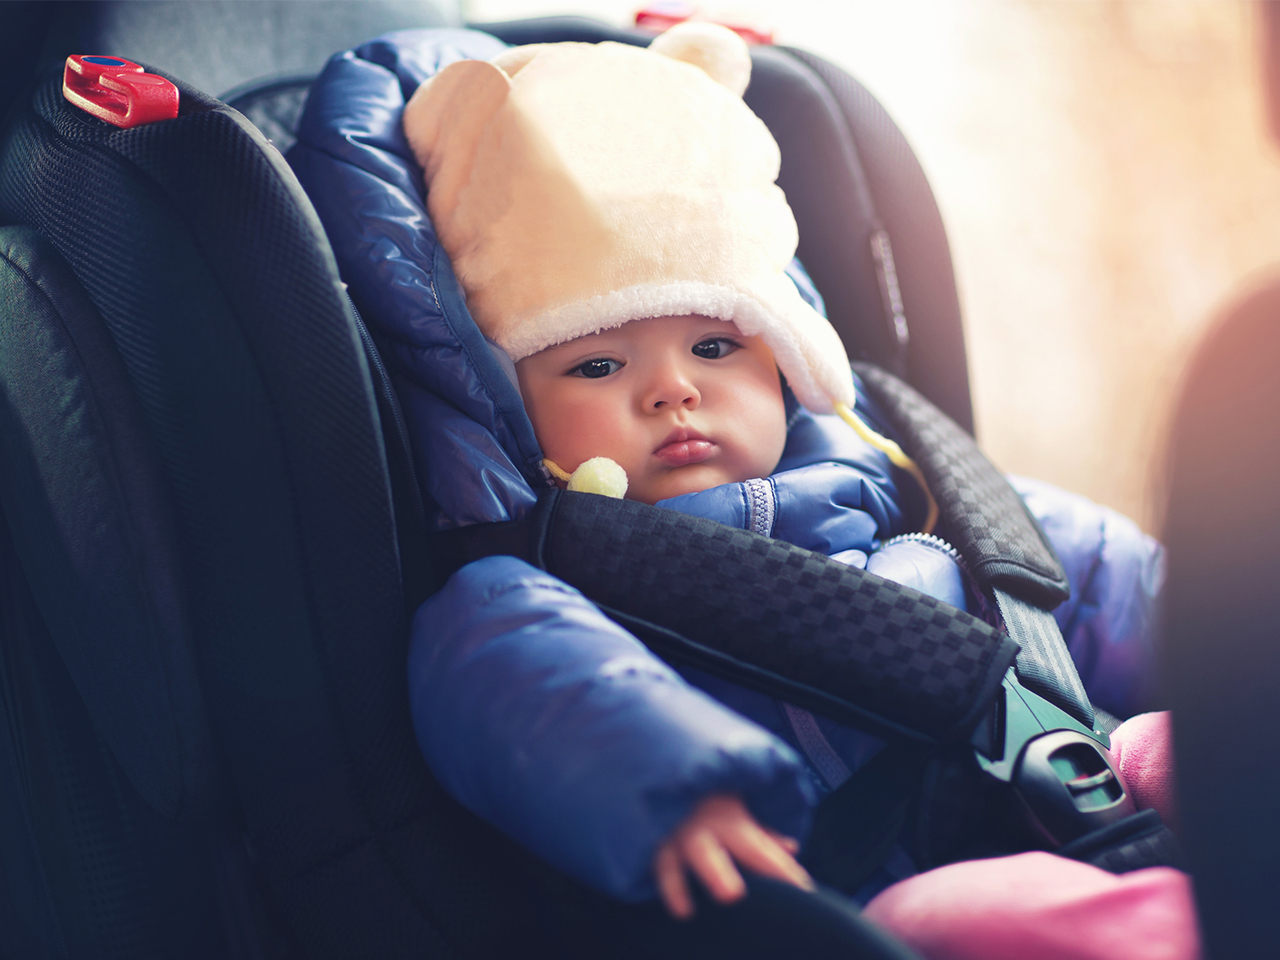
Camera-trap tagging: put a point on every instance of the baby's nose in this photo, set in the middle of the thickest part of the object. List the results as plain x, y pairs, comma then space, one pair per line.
672, 388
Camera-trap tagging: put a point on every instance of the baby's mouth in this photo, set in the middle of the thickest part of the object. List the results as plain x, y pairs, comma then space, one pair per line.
683, 446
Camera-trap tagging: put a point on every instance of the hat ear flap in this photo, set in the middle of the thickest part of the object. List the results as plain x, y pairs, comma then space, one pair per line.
716, 50
446, 118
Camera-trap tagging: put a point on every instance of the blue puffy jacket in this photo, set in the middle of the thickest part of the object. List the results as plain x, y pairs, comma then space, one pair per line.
531, 707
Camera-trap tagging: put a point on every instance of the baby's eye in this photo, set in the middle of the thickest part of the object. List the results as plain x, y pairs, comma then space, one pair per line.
595, 369
715, 348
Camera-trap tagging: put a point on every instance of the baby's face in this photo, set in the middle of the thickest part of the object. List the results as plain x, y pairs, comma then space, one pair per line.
681, 403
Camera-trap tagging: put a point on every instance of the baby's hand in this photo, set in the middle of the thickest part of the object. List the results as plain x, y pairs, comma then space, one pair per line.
719, 832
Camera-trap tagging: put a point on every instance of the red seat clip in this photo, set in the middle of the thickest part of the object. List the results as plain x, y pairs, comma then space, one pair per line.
118, 91
662, 15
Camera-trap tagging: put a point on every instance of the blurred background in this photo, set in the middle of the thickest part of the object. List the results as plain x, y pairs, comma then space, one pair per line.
1105, 175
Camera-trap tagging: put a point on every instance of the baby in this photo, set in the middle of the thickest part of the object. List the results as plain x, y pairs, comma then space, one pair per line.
683, 404
612, 217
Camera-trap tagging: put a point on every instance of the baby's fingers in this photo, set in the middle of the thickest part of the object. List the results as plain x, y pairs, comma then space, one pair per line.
764, 853
668, 871
789, 844
714, 867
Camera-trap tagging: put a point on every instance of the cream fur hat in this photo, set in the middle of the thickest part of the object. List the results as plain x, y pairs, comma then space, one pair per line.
579, 186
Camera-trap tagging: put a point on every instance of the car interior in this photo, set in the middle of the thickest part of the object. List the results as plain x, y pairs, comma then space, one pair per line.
212, 540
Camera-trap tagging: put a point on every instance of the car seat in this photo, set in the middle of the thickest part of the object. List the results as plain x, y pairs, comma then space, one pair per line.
214, 538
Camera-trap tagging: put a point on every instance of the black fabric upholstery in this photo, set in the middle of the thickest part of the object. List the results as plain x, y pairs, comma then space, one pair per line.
886, 657
981, 515
274, 108
91, 518
88, 868
211, 273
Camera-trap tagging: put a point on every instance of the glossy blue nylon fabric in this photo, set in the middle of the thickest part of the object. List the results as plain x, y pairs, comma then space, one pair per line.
353, 160
531, 707
1111, 621
622, 749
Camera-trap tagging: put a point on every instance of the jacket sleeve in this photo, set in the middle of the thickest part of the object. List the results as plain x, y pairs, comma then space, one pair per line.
1116, 572
558, 727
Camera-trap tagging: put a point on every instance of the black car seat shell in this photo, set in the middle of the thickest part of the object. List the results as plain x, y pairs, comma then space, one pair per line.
268, 438
285, 500
354, 162
107, 729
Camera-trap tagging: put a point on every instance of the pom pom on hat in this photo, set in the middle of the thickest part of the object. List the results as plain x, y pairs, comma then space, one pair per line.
599, 475
721, 54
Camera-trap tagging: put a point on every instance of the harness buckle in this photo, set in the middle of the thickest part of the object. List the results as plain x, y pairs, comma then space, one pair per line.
1061, 772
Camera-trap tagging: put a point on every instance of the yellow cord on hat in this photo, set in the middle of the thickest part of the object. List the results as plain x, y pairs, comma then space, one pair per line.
896, 457
555, 471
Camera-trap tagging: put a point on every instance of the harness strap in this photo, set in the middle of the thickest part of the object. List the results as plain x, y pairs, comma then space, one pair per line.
856, 826
1002, 544
822, 635
1044, 663
981, 514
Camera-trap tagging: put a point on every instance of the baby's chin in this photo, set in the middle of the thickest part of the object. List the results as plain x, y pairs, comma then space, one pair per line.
693, 478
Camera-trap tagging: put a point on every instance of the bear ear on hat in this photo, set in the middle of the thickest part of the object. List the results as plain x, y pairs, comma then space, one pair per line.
716, 50
447, 115
512, 60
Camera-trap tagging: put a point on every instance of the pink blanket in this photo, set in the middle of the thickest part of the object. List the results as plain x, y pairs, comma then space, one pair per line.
1037, 906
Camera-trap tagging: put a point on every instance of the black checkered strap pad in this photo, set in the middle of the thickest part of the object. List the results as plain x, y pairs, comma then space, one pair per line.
787, 621
1001, 542
979, 513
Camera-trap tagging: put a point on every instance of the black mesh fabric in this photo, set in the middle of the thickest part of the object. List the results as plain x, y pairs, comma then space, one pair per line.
88, 868
211, 272
981, 515
918, 664
91, 522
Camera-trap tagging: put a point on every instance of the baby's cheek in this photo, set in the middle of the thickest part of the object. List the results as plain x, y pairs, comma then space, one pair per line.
763, 441
582, 430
